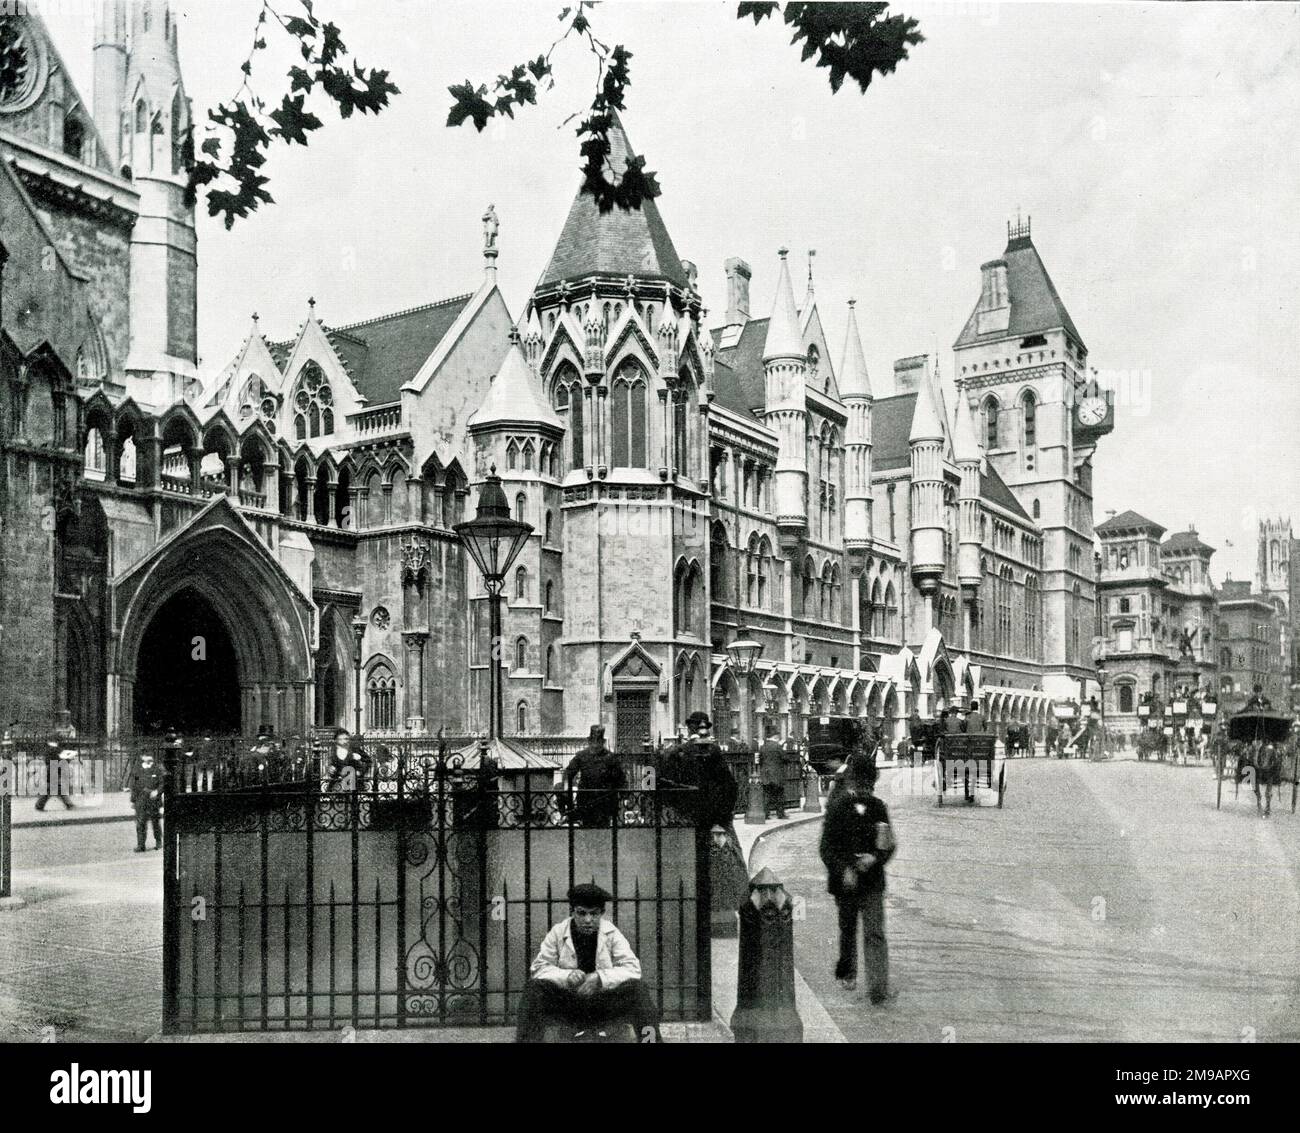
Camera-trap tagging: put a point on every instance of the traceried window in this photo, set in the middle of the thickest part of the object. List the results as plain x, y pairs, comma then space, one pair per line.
381, 699
1029, 409
313, 404
567, 397
628, 418
991, 423
1125, 697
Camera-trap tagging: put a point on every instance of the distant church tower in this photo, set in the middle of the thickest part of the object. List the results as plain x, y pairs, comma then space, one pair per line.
1273, 572
1023, 368
143, 114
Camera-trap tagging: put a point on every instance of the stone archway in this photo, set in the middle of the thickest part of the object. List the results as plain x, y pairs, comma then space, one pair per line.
214, 579
187, 673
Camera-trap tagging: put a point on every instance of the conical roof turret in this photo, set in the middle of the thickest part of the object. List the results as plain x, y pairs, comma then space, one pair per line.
853, 378
783, 337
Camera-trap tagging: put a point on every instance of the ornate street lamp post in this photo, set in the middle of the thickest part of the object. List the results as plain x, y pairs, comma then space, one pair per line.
493, 540
743, 654
358, 632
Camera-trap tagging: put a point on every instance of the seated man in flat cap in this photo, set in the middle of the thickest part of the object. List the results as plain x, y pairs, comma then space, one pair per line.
586, 978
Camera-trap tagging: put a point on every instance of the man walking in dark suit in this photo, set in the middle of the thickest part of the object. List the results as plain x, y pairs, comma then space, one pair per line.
771, 771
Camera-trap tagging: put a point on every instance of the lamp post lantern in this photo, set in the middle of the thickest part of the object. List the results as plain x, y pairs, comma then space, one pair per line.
358, 632
494, 541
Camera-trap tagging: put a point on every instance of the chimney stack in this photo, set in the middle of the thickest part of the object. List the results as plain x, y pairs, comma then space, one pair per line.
739, 274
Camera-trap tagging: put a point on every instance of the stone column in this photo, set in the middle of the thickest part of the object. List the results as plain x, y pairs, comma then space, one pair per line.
665, 449
232, 475
414, 640
354, 504
602, 416
310, 493
331, 495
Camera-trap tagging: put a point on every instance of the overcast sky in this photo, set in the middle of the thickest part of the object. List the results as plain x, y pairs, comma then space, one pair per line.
1157, 148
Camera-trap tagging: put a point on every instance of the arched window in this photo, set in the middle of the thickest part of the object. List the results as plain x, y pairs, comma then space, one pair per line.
528, 456
94, 462
381, 699
521, 584
1125, 691
568, 401
809, 588
751, 572
550, 596
718, 566
1029, 410
688, 601
521, 718
1225, 658
547, 537
628, 418
313, 402
521, 507
550, 664
126, 462
1076, 622
991, 423
74, 136
1031, 617
512, 456
876, 622
891, 612
521, 653
764, 574
178, 133
1038, 509
141, 117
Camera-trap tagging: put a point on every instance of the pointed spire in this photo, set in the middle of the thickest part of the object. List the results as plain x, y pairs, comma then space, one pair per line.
783, 337
927, 424
617, 242
965, 443
853, 367
809, 295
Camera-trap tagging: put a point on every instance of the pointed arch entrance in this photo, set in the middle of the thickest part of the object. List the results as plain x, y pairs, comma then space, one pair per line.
213, 579
187, 675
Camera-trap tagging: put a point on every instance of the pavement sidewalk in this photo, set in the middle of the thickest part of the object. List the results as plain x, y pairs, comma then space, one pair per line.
107, 806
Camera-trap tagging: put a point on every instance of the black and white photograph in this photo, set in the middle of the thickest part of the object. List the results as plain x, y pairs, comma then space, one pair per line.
650, 523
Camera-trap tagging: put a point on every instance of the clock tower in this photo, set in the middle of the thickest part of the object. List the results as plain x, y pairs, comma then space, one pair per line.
1023, 367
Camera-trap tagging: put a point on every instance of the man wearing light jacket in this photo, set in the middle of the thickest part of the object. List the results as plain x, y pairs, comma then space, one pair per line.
586, 978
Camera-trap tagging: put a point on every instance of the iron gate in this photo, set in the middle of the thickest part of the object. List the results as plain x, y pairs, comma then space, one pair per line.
419, 900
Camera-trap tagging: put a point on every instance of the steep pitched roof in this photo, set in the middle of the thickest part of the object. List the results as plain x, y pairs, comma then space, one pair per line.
744, 388
514, 396
1185, 542
1127, 521
1035, 304
994, 489
383, 353
891, 425
927, 418
620, 242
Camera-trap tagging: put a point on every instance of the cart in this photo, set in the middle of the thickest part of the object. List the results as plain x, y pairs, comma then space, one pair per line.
971, 767
1249, 734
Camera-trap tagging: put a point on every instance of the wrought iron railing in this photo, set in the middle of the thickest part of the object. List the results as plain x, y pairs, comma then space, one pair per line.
417, 898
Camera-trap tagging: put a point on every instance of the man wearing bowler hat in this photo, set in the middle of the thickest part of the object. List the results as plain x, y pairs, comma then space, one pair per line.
586, 978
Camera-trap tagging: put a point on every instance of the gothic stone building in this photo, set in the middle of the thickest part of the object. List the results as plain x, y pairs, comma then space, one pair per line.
210, 559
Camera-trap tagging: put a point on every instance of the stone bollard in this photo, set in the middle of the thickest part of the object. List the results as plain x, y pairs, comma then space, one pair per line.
765, 1006
812, 796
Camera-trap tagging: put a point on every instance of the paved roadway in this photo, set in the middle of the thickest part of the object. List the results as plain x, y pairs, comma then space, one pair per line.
1107, 901
83, 959
995, 926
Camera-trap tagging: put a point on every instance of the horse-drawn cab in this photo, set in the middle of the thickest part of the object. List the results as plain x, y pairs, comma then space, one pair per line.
972, 764
1261, 756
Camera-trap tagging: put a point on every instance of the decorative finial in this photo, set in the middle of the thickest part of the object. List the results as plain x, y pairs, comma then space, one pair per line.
783, 252
812, 252
492, 471
491, 226
254, 316
514, 334
311, 303
852, 303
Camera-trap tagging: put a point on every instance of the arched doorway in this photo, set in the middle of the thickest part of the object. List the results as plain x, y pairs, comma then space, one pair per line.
187, 675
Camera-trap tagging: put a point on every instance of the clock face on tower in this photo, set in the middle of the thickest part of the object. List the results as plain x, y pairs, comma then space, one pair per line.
1091, 411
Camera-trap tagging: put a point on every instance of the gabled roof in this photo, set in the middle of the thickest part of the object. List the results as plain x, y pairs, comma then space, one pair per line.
1128, 521
891, 425
1185, 542
620, 242
1035, 305
384, 353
